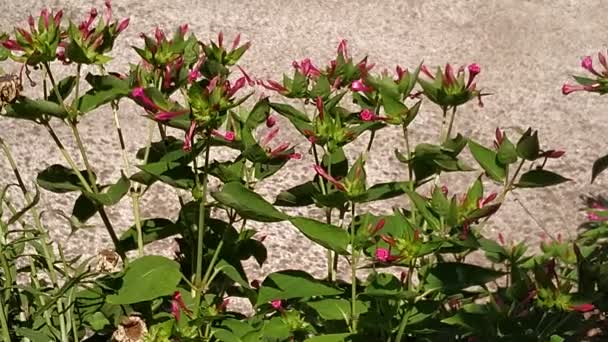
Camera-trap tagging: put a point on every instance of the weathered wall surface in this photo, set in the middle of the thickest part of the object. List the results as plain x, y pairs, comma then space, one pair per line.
527, 49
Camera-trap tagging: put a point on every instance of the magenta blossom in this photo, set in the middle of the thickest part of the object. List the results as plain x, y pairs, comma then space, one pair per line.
270, 121
382, 254
273, 85
12, 45
306, 68
277, 304
359, 85
483, 201
321, 172
583, 307
474, 70
189, 137
177, 303
142, 99
164, 116
228, 135
587, 64
343, 48
367, 115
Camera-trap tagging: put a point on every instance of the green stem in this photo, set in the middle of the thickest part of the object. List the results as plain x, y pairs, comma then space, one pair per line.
83, 153
140, 235
410, 171
371, 141
402, 325
443, 122
353, 275
449, 132
77, 86
511, 182
211, 265
202, 191
48, 256
3, 319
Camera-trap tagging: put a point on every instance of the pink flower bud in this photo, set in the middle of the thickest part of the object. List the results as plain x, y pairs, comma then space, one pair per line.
12, 45
570, 88
444, 190
45, 17
270, 121
426, 71
379, 226
400, 72
321, 172
273, 85
474, 70
240, 83
382, 254
359, 85
366, 115
26, 35
183, 29
159, 35
277, 304
140, 96
189, 138
602, 60
220, 39
320, 107
343, 48
389, 240
449, 77
229, 135
553, 154
582, 307
587, 64
57, 18
193, 75
501, 239
32, 23
108, 4
236, 41
249, 79
164, 116
123, 25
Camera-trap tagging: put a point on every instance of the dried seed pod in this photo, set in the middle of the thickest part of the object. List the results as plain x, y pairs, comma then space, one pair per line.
10, 88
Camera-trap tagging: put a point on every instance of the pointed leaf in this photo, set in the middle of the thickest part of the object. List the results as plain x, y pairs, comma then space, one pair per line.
298, 196
540, 178
326, 235
488, 160
248, 203
451, 277
112, 194
58, 178
293, 284
599, 166
152, 230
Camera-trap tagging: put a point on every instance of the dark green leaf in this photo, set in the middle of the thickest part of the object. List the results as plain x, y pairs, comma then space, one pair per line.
105, 89
422, 206
26, 108
528, 146
599, 166
451, 277
258, 114
147, 278
152, 230
298, 196
507, 154
293, 284
84, 209
232, 273
382, 191
247, 203
540, 178
64, 87
176, 174
58, 178
488, 160
326, 235
112, 194
329, 338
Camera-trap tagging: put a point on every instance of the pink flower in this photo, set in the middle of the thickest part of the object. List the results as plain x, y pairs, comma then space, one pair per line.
12, 45
400, 72
270, 121
140, 96
587, 64
343, 48
382, 254
321, 172
569, 88
583, 307
306, 68
483, 201
228, 135
57, 17
164, 115
273, 85
183, 29
426, 71
449, 77
108, 4
320, 107
269, 136
32, 23
212, 84
444, 190
249, 80
123, 25
364, 68
159, 35
189, 137
45, 17
193, 75
236, 41
240, 83
474, 70
367, 115
359, 85
177, 303
378, 227
553, 154
277, 304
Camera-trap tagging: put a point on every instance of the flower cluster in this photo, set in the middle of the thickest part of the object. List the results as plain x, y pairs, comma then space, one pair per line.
597, 84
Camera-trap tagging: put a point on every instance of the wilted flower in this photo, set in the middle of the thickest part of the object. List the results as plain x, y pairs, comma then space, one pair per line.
108, 261
131, 329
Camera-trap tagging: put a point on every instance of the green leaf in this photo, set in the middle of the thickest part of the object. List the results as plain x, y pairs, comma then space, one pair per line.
105, 89
540, 178
421, 204
300, 121
326, 235
298, 196
58, 178
65, 87
84, 209
329, 338
488, 160
528, 146
34, 335
232, 273
451, 277
26, 108
507, 153
293, 284
382, 191
247, 203
147, 278
110, 195
152, 230
599, 166
176, 174
258, 114
336, 309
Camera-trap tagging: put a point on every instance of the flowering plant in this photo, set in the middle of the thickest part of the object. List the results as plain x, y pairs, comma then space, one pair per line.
409, 274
